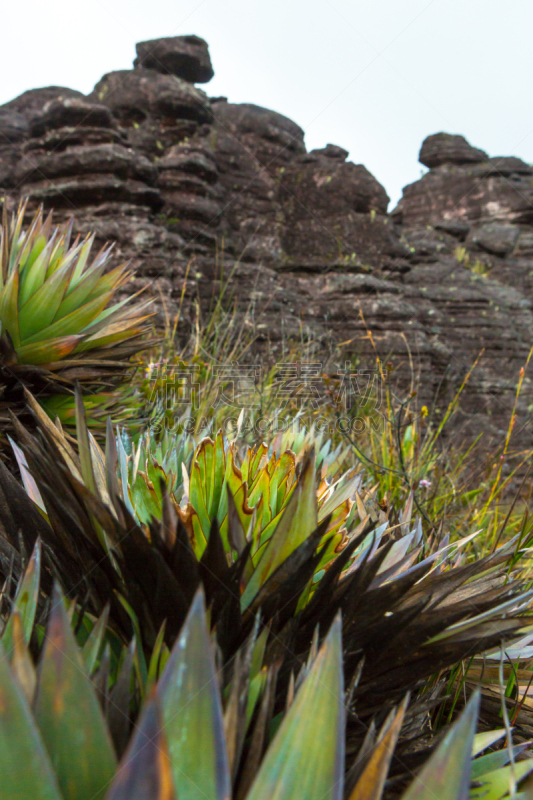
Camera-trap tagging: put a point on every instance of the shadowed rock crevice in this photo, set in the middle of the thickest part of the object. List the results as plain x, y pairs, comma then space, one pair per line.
193, 189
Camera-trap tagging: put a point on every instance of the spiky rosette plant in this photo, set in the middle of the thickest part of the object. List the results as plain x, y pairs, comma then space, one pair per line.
411, 606
216, 478
58, 321
78, 721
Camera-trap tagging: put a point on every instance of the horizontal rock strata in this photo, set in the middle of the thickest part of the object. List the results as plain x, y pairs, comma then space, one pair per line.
195, 190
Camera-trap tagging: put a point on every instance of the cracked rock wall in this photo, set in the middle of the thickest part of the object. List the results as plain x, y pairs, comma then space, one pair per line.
188, 185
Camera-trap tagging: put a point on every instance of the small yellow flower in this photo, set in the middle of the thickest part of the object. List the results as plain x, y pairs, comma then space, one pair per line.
424, 411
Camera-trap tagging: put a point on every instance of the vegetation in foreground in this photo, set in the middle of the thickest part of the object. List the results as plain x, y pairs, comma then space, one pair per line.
58, 322
314, 615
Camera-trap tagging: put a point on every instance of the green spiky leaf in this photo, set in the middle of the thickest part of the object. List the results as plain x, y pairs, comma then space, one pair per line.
24, 763
68, 714
447, 773
306, 758
192, 713
145, 771
26, 599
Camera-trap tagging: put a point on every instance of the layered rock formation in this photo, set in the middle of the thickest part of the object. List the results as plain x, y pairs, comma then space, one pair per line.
197, 190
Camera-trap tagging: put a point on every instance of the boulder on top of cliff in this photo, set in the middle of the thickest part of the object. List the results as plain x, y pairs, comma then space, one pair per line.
71, 112
132, 95
33, 101
187, 57
331, 151
447, 148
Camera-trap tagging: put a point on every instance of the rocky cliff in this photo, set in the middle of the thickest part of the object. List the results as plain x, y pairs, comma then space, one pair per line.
195, 190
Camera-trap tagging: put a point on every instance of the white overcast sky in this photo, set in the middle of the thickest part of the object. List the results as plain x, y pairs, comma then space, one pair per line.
375, 77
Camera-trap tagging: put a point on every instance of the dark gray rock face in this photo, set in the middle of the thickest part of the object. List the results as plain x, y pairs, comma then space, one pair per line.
500, 240
193, 190
473, 193
33, 101
134, 95
70, 112
13, 126
186, 57
446, 148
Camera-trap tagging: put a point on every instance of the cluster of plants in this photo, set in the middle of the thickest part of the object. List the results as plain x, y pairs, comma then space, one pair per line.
307, 615
59, 324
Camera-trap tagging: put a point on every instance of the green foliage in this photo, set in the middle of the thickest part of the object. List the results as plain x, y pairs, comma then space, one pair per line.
217, 479
189, 736
357, 591
58, 321
66, 712
53, 302
404, 612
411, 449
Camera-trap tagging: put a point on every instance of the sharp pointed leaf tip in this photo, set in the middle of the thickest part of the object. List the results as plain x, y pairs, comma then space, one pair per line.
446, 774
306, 757
192, 712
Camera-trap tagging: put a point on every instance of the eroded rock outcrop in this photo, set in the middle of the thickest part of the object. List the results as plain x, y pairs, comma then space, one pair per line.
184, 56
194, 189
